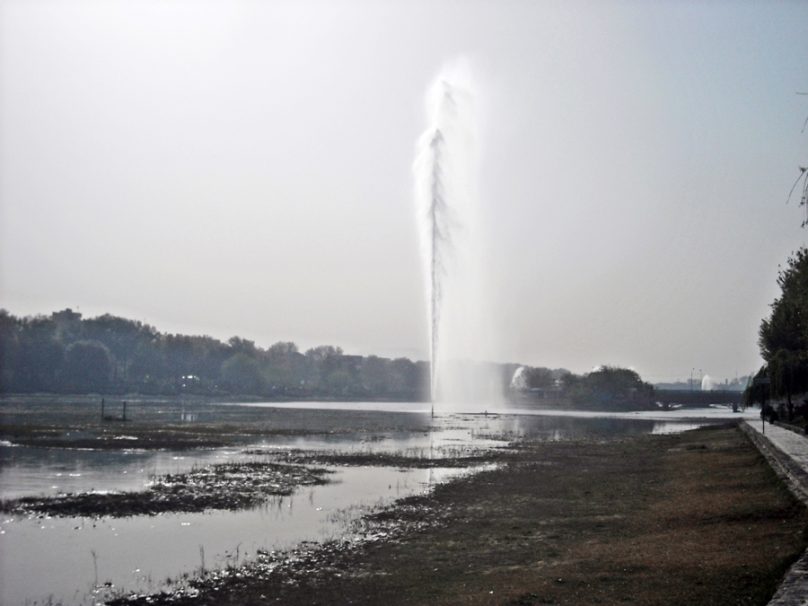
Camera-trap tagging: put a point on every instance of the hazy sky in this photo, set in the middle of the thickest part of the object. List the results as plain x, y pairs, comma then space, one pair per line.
245, 168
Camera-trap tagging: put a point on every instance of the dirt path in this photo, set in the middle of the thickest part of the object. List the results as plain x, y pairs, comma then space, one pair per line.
695, 518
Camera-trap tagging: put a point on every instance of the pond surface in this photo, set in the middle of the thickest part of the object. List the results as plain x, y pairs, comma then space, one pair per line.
66, 560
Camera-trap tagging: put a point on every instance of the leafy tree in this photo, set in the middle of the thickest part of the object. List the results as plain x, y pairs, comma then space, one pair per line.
9, 348
408, 380
239, 345
607, 386
285, 367
375, 376
39, 356
121, 336
783, 336
147, 366
323, 353
87, 367
340, 383
321, 361
539, 378
243, 374
68, 326
758, 390
282, 350
66, 352
613, 380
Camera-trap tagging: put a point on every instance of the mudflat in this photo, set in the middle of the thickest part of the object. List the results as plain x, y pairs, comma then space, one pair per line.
692, 518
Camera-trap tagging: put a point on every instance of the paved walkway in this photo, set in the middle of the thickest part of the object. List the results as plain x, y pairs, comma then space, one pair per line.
787, 452
790, 442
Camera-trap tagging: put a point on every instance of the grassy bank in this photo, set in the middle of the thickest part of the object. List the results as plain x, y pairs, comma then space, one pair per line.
695, 518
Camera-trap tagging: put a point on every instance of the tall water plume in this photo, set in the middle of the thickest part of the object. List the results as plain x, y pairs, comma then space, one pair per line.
449, 219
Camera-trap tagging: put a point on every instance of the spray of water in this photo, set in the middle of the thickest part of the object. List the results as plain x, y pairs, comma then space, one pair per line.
519, 379
449, 220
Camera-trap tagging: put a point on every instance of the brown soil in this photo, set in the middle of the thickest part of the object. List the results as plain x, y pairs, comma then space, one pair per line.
695, 518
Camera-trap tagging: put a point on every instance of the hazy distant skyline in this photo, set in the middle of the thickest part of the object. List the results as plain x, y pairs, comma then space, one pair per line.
245, 168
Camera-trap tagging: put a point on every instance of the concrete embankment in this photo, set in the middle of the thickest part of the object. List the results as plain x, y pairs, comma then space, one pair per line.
787, 453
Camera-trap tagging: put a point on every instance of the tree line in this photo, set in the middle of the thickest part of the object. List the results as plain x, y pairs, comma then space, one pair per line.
783, 340
605, 387
66, 353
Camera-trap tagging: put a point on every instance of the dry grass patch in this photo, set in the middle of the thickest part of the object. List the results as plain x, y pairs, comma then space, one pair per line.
695, 518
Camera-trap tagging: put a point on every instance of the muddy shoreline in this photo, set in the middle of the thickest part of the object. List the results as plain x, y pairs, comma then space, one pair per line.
234, 485
694, 518
119, 435
223, 486
428, 460
178, 425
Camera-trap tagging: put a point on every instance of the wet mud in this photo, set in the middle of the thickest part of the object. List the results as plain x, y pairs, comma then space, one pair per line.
650, 520
296, 567
222, 486
442, 458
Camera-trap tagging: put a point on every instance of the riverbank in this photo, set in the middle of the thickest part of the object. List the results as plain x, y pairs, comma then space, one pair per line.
190, 424
223, 486
178, 424
692, 518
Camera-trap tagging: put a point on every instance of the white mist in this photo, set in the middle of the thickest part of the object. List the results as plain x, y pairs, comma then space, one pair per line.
452, 236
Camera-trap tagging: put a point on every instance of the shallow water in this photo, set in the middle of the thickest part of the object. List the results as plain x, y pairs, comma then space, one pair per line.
65, 559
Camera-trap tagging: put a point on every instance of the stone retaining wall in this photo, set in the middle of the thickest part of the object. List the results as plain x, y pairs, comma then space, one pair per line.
793, 590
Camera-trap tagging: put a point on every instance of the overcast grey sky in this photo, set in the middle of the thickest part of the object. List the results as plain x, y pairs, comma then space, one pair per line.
245, 168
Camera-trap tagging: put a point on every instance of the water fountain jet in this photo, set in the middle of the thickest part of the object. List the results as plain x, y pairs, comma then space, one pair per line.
445, 203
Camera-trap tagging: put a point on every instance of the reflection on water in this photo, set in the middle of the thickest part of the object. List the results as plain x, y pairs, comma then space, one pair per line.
673, 427
60, 556
49, 471
64, 558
